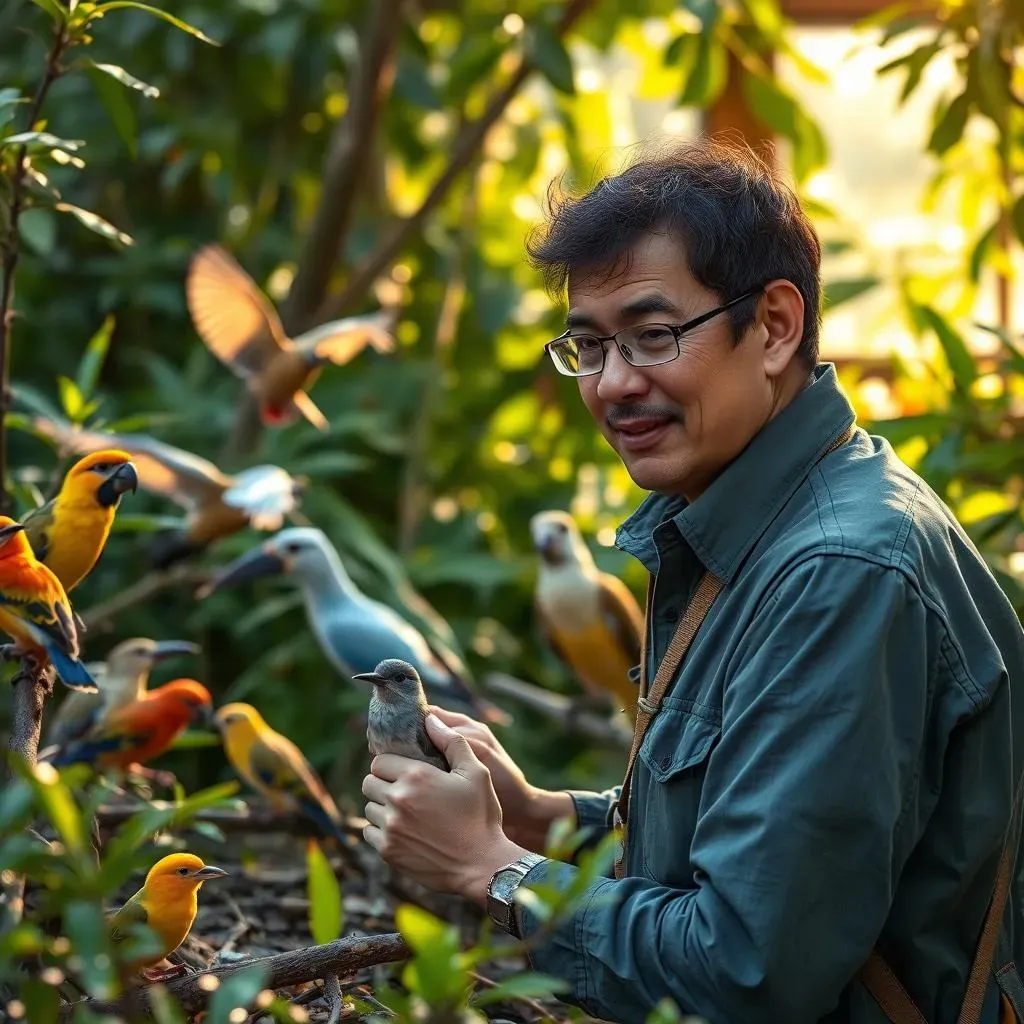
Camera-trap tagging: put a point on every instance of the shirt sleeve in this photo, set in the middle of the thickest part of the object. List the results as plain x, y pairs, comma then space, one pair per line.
594, 814
795, 852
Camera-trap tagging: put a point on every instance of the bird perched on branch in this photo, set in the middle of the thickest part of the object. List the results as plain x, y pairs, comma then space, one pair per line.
141, 730
35, 611
122, 678
167, 903
274, 766
242, 329
397, 719
590, 618
69, 532
355, 632
217, 504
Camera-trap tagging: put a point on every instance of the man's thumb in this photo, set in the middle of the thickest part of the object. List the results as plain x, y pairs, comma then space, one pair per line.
452, 744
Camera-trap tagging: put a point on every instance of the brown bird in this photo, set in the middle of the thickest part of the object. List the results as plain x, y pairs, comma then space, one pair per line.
217, 504
590, 618
242, 329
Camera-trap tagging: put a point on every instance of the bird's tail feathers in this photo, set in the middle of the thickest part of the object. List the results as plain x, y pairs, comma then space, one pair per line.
71, 672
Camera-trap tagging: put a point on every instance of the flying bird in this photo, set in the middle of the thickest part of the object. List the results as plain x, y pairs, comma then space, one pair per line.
242, 329
167, 903
139, 731
397, 719
35, 612
69, 532
590, 618
122, 678
274, 766
217, 504
354, 631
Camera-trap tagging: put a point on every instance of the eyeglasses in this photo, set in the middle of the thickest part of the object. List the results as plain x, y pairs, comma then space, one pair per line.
581, 355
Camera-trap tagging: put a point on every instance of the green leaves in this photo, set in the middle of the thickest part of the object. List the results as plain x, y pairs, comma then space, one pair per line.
950, 122
838, 292
103, 9
94, 222
325, 906
548, 53
53, 9
239, 990
958, 356
436, 972
780, 111
91, 363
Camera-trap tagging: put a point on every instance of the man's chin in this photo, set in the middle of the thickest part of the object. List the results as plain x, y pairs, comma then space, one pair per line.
653, 473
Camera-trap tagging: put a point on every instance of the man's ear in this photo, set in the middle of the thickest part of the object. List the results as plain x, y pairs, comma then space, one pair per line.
781, 312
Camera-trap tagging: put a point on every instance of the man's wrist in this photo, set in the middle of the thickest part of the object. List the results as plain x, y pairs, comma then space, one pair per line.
503, 852
542, 809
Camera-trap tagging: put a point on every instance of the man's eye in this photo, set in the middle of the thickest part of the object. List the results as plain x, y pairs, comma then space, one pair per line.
585, 344
654, 335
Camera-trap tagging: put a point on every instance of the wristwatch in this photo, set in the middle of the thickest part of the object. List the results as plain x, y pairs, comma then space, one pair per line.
501, 891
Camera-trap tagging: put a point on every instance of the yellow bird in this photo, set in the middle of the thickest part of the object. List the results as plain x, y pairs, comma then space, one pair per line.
242, 329
167, 903
69, 532
589, 617
122, 678
216, 504
274, 766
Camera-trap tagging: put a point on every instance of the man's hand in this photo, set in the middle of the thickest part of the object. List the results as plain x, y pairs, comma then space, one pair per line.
441, 828
526, 811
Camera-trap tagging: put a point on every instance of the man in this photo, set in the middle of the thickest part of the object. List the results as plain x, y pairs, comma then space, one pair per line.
817, 813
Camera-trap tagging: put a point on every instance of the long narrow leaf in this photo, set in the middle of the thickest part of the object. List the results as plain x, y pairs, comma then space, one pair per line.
96, 223
114, 5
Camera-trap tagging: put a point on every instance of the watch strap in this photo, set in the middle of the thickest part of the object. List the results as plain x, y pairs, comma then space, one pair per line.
501, 911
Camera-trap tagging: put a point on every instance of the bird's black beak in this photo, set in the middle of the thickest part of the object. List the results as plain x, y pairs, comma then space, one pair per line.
371, 677
253, 565
208, 872
548, 549
205, 715
124, 478
165, 649
7, 532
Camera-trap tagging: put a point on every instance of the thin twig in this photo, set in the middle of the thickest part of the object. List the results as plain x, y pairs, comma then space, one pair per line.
332, 993
150, 584
564, 710
295, 967
463, 150
10, 246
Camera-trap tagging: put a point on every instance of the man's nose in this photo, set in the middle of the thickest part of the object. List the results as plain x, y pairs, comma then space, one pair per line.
619, 380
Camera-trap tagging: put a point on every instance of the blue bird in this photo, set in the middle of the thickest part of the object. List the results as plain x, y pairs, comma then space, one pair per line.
354, 631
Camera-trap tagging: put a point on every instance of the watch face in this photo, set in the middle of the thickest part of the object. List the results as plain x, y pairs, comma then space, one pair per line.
504, 885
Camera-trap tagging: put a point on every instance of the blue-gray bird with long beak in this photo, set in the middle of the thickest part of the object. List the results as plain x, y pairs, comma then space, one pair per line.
397, 720
355, 632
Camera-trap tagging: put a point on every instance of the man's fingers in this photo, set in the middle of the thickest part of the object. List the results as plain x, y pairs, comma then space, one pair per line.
453, 718
391, 767
375, 789
377, 813
374, 836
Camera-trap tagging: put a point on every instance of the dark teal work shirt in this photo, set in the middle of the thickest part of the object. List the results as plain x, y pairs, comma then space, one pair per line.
833, 767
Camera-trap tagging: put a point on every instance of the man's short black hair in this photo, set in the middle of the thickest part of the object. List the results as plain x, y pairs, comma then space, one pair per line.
738, 222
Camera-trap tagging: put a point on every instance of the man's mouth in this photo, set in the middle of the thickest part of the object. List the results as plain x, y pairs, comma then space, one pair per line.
638, 434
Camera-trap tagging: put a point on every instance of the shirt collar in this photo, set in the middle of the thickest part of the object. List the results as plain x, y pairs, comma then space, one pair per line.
726, 521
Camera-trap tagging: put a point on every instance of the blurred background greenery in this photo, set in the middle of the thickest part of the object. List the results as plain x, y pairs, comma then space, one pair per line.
352, 154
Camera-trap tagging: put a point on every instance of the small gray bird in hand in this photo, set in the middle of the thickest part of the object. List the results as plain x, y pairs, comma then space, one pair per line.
397, 719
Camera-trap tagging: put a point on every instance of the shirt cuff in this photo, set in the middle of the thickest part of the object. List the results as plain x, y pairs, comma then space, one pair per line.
562, 951
593, 813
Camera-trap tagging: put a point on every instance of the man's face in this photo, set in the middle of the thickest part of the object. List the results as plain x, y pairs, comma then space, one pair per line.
677, 425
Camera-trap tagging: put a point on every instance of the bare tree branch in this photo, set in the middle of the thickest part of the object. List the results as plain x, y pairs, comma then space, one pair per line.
346, 165
142, 590
464, 148
568, 713
295, 967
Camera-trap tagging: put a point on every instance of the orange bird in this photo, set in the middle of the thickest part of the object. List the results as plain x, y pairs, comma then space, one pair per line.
141, 730
35, 611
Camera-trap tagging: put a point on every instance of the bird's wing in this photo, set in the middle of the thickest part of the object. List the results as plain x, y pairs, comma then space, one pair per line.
235, 319
37, 525
163, 469
621, 614
266, 493
133, 912
280, 764
77, 713
340, 341
31, 596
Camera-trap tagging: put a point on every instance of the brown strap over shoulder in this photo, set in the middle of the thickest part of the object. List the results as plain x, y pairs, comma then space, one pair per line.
879, 979
649, 703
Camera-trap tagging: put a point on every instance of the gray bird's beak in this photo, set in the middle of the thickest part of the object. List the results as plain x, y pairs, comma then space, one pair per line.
173, 648
7, 532
371, 677
253, 565
209, 872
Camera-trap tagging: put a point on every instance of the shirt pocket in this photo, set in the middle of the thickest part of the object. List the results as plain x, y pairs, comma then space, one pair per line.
675, 754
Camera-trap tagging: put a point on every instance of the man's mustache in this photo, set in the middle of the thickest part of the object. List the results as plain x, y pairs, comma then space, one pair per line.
619, 414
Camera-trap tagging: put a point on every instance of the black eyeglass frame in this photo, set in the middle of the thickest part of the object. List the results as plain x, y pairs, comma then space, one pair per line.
678, 330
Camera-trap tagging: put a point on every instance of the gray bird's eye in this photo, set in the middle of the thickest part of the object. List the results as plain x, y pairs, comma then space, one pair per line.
401, 677
292, 549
